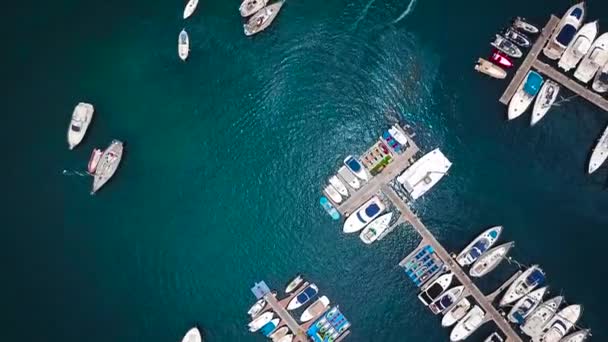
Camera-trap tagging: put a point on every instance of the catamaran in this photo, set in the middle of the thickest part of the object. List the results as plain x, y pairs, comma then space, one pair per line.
544, 101
560, 324
375, 229
565, 31
433, 290
526, 282
579, 46
600, 153
543, 313
489, 260
526, 305
364, 215
456, 313
577, 336
595, 58
425, 173
249, 7
183, 45
468, 324
110, 159
81, 118
190, 7
478, 246
525, 94
262, 19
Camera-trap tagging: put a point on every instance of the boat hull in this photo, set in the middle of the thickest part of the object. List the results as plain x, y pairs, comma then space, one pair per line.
593, 60
249, 7
190, 8
524, 307
455, 313
107, 166
303, 297
468, 324
375, 229
519, 287
565, 31
578, 47
600, 153
488, 261
79, 123
545, 99
364, 215
543, 313
488, 238
193, 335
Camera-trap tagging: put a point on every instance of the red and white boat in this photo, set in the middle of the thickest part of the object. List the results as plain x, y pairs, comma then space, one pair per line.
501, 59
95, 157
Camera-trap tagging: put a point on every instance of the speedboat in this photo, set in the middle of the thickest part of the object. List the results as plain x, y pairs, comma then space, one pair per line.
544, 101
260, 321
520, 23
81, 118
543, 313
526, 305
110, 159
489, 260
525, 94
303, 297
190, 8
349, 177
249, 7
364, 215
579, 46
373, 230
468, 324
396, 133
315, 309
270, 327
478, 246
431, 291
355, 166
526, 282
193, 335
329, 208
565, 31
517, 37
506, 46
333, 194
595, 58
455, 313
600, 83
600, 152
494, 338
257, 307
338, 185
183, 45
577, 336
425, 173
560, 324
294, 283
501, 59
446, 300
490, 69
94, 160
262, 19
279, 333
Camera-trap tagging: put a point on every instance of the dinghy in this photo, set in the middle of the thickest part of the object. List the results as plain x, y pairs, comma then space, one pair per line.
294, 283
600, 152
349, 178
520, 23
434, 289
303, 297
506, 46
565, 31
488, 261
260, 321
190, 8
315, 309
81, 118
446, 300
364, 215
338, 185
331, 192
544, 101
270, 327
525, 94
579, 46
501, 59
376, 228
543, 313
492, 70
593, 60
560, 324
468, 324
183, 45
94, 160
478, 246
526, 305
193, 335
524, 284
456, 313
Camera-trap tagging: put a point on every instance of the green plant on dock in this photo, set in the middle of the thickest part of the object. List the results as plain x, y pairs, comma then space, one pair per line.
381, 165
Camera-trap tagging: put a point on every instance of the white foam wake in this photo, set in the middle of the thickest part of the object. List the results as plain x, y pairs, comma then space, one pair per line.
407, 11
363, 14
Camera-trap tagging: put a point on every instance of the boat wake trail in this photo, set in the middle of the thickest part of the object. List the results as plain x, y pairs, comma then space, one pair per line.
74, 173
363, 14
407, 11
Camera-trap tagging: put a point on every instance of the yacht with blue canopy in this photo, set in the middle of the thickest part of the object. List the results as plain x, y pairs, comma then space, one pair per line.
526, 92
565, 31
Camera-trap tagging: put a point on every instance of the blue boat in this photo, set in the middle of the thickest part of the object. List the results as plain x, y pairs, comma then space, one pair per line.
329, 208
303, 297
269, 327
525, 94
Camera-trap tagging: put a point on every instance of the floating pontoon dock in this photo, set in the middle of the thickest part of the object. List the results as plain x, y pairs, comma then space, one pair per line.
531, 62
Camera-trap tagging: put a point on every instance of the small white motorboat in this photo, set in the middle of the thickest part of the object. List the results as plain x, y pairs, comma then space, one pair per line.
525, 94
600, 152
468, 324
190, 8
355, 166
544, 101
524, 284
565, 31
520, 23
364, 215
315, 309
294, 283
434, 289
524, 307
81, 118
94, 160
193, 335
260, 321
256, 308
446, 300
249, 7
455, 313
338, 185
489, 260
376, 228
579, 46
543, 313
560, 324
349, 177
506, 46
600, 83
595, 58
183, 45
479, 246
303, 297
490, 69
577, 336
333, 194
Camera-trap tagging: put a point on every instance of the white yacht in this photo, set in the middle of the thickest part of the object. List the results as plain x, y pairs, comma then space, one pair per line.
577, 336
375, 229
526, 282
489, 260
81, 118
600, 152
249, 7
446, 300
355, 166
600, 83
525, 94
110, 159
468, 324
262, 19
565, 31
506, 46
421, 176
193, 335
364, 215
332, 193
478, 246
183, 45
315, 309
349, 178
455, 313
260, 321
560, 324
526, 305
434, 289
544, 101
543, 313
257, 307
595, 58
579, 46
190, 8
338, 185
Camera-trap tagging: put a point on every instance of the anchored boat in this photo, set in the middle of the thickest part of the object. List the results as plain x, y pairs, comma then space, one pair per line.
294, 283
517, 37
364, 215
315, 309
456, 313
183, 45
579, 46
94, 160
249, 7
432, 291
526, 282
565, 31
560, 324
595, 58
543, 313
303, 297
446, 300
260, 321
490, 69
468, 324
262, 19
506, 46
81, 118
425, 173
522, 24
257, 307
193, 335
190, 8
544, 101
489, 260
279, 333
376, 228
110, 159
525, 94
501, 59
600, 152
526, 305
479, 246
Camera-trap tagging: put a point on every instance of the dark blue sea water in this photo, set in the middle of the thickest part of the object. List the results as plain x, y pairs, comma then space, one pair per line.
226, 156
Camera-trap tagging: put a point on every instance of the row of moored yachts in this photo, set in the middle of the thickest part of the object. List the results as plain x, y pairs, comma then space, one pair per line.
543, 321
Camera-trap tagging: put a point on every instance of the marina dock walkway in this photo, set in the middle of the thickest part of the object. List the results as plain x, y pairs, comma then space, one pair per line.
279, 310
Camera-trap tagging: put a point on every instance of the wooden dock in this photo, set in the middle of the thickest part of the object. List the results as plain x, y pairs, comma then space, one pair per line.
286, 318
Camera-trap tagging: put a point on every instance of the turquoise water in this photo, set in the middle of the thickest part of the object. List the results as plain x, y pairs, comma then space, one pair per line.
226, 156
